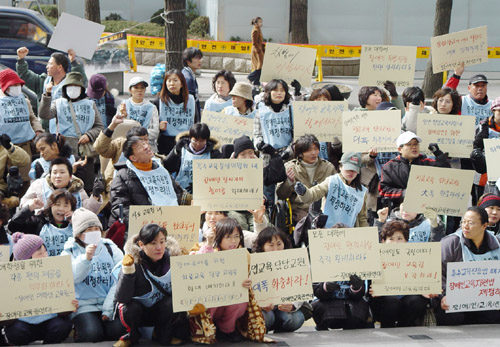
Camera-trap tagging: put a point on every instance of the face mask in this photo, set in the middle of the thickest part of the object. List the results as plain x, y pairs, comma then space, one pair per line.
92, 237
14, 90
73, 91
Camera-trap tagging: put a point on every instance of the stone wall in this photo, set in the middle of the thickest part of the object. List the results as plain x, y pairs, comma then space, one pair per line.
242, 63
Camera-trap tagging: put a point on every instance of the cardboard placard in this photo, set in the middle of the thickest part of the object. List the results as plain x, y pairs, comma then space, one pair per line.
491, 151
454, 134
321, 118
181, 222
467, 46
36, 286
338, 253
473, 286
380, 63
288, 63
228, 184
76, 33
4, 253
409, 269
211, 279
281, 277
363, 130
443, 190
226, 127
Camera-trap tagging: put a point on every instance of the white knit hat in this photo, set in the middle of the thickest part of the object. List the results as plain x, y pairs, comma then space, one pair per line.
83, 219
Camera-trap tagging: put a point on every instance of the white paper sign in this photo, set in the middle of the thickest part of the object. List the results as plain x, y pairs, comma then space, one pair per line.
4, 253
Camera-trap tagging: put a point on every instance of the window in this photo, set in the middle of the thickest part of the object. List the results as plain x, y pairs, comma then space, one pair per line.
21, 29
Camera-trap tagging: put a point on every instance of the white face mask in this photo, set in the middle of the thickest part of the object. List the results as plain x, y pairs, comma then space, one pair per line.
14, 90
73, 91
92, 237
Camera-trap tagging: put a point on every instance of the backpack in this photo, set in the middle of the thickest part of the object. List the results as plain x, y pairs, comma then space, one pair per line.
281, 216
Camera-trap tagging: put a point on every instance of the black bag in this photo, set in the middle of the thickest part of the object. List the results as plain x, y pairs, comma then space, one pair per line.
281, 216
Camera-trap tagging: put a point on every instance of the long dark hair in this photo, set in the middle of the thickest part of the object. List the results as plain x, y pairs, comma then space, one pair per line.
356, 182
272, 85
184, 90
455, 99
226, 227
64, 149
56, 195
148, 233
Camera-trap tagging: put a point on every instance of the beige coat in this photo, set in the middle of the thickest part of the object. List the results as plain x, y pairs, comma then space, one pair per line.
258, 48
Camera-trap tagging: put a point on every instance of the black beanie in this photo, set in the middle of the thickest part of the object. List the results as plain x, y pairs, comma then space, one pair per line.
242, 143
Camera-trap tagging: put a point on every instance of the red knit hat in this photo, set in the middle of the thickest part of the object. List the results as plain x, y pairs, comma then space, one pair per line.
9, 77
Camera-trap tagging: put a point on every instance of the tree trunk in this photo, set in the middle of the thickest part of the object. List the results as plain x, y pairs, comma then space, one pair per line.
298, 21
93, 11
175, 33
432, 82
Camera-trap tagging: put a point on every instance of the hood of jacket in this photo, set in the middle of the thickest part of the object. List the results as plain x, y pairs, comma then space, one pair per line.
75, 184
212, 142
132, 248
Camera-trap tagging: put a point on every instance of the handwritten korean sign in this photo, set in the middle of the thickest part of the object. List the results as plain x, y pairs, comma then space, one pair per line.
362, 130
491, 151
468, 46
380, 63
288, 63
211, 279
281, 277
4, 253
321, 118
443, 190
227, 184
473, 286
181, 222
36, 286
454, 134
338, 253
227, 127
409, 269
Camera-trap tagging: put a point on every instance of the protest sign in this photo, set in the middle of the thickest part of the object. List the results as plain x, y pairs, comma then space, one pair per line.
468, 46
454, 134
321, 118
363, 130
226, 127
281, 277
288, 63
76, 33
491, 151
379, 63
443, 190
111, 55
211, 279
409, 269
473, 286
36, 286
181, 222
338, 253
227, 184
4, 253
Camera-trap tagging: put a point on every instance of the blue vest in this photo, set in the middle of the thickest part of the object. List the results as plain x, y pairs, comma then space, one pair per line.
178, 119
84, 112
38, 319
185, 175
323, 150
15, 119
343, 203
471, 108
212, 105
421, 232
234, 112
157, 184
54, 238
47, 191
155, 295
45, 166
140, 113
276, 127
101, 107
99, 278
467, 255
492, 134
56, 94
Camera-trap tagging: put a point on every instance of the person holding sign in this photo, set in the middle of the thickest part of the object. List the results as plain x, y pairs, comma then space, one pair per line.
241, 101
191, 145
369, 98
491, 203
93, 259
222, 83
345, 195
285, 317
469, 243
400, 311
144, 289
51, 328
52, 224
414, 101
177, 109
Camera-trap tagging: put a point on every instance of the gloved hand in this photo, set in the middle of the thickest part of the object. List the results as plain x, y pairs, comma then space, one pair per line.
98, 187
320, 221
178, 147
300, 189
331, 286
355, 282
285, 154
391, 88
478, 160
38, 170
434, 148
128, 266
5, 141
266, 148
431, 215
296, 85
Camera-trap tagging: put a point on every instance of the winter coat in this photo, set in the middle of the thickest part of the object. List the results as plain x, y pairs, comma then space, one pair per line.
28, 222
258, 48
15, 156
